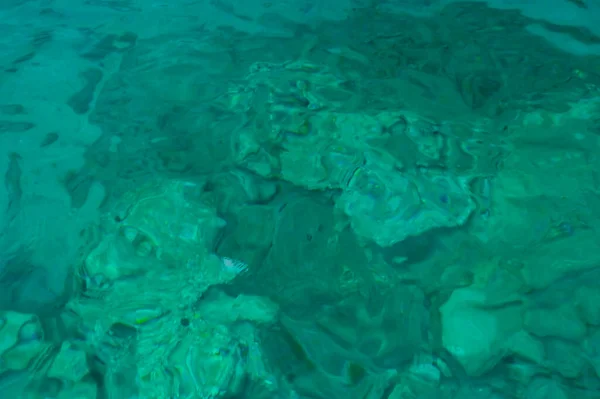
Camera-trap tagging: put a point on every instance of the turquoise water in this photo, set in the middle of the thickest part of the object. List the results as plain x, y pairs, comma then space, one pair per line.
299, 199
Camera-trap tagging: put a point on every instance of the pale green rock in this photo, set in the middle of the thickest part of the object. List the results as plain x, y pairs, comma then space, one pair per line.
477, 337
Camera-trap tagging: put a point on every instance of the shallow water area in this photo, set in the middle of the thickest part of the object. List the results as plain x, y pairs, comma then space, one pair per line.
299, 199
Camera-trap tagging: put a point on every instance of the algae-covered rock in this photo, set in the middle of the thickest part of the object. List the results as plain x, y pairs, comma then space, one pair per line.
560, 322
22, 342
161, 221
545, 388
69, 365
587, 300
138, 307
565, 357
387, 206
553, 260
527, 347
591, 349
222, 308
